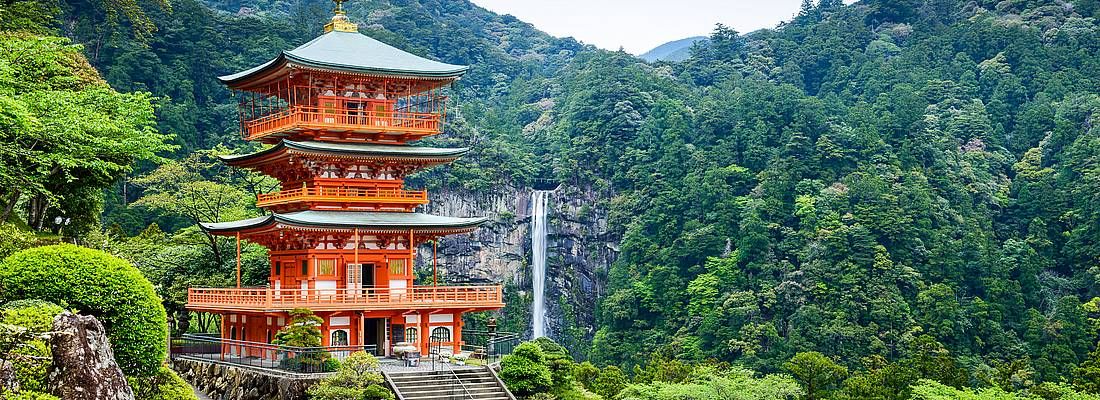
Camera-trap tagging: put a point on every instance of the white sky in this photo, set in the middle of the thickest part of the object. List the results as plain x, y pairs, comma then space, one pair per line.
640, 25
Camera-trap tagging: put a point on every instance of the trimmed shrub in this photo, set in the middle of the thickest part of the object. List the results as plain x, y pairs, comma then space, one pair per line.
95, 283
525, 371
33, 314
164, 385
30, 358
27, 395
356, 379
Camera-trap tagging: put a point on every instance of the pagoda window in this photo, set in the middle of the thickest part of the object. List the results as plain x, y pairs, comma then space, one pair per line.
410, 335
441, 334
339, 338
326, 266
305, 267
397, 267
278, 269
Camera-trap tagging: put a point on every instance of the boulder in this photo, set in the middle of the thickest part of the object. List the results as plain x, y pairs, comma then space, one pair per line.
84, 366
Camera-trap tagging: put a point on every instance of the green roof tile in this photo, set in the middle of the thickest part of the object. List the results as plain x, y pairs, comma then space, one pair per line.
348, 219
355, 52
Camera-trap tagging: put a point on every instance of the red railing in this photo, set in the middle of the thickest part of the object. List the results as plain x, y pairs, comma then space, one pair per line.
416, 123
490, 296
343, 194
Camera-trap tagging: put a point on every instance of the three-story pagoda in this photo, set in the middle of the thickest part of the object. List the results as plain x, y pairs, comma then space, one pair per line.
339, 113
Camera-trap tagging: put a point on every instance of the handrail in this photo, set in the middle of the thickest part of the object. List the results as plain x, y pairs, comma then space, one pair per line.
392, 385
321, 193
332, 117
463, 384
416, 296
501, 383
267, 356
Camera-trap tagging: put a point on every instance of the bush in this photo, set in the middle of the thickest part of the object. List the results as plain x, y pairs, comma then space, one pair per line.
36, 315
164, 385
735, 384
525, 372
30, 357
98, 284
13, 239
356, 379
28, 395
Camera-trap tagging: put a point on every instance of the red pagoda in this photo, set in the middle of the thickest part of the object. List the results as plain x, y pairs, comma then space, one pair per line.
339, 113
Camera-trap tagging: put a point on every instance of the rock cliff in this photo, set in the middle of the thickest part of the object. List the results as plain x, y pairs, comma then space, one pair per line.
580, 249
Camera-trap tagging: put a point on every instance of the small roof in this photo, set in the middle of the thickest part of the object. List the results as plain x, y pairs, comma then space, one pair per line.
349, 219
351, 52
360, 150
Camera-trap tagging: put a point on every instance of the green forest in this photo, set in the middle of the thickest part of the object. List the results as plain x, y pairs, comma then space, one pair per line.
889, 199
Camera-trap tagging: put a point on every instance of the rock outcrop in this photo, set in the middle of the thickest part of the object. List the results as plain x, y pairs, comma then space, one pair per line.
84, 366
226, 382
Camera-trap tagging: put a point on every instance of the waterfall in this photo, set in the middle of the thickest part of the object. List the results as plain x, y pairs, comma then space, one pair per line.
538, 261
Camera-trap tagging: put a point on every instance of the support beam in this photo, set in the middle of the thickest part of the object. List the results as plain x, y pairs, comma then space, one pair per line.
238, 260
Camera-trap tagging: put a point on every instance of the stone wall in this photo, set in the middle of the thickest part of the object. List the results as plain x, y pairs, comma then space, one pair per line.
225, 382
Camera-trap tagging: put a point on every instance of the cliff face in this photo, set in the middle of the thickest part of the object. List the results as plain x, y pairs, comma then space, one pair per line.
579, 252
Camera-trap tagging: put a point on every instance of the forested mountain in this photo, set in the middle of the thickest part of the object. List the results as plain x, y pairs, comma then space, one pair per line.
676, 50
910, 188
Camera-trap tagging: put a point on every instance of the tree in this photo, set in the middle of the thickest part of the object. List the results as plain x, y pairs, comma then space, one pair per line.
817, 374
198, 189
64, 133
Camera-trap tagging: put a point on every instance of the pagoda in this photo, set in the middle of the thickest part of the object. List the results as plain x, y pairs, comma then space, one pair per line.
339, 114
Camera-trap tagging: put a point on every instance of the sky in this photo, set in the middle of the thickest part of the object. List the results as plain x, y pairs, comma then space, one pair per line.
640, 25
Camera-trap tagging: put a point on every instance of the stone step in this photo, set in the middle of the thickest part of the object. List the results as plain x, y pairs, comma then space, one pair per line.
448, 386
460, 384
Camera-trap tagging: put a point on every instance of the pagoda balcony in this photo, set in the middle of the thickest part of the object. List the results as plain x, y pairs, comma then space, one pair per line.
343, 123
417, 297
344, 195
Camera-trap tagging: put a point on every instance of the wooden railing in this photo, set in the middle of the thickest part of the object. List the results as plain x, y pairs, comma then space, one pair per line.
344, 119
490, 296
343, 195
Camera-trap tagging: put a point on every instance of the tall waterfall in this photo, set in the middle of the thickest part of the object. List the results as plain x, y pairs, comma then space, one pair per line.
538, 262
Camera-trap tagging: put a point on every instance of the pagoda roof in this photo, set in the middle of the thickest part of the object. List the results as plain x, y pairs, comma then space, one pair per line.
367, 220
349, 150
350, 52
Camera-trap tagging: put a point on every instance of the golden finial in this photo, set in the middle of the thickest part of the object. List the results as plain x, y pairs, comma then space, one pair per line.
340, 22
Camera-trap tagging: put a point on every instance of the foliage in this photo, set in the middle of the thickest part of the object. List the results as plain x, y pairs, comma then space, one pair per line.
525, 371
95, 283
31, 395
13, 239
165, 384
356, 379
31, 357
304, 330
734, 384
931, 390
817, 374
64, 133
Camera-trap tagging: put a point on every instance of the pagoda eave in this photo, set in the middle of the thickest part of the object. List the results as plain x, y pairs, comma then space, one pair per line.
346, 151
365, 222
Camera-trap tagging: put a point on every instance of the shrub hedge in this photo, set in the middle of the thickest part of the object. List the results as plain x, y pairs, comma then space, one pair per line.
95, 283
35, 316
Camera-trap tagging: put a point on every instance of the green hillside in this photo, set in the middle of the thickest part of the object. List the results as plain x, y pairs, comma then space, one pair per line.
909, 188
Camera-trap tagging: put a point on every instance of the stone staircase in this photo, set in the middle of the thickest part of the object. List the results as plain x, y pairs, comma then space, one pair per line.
476, 383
